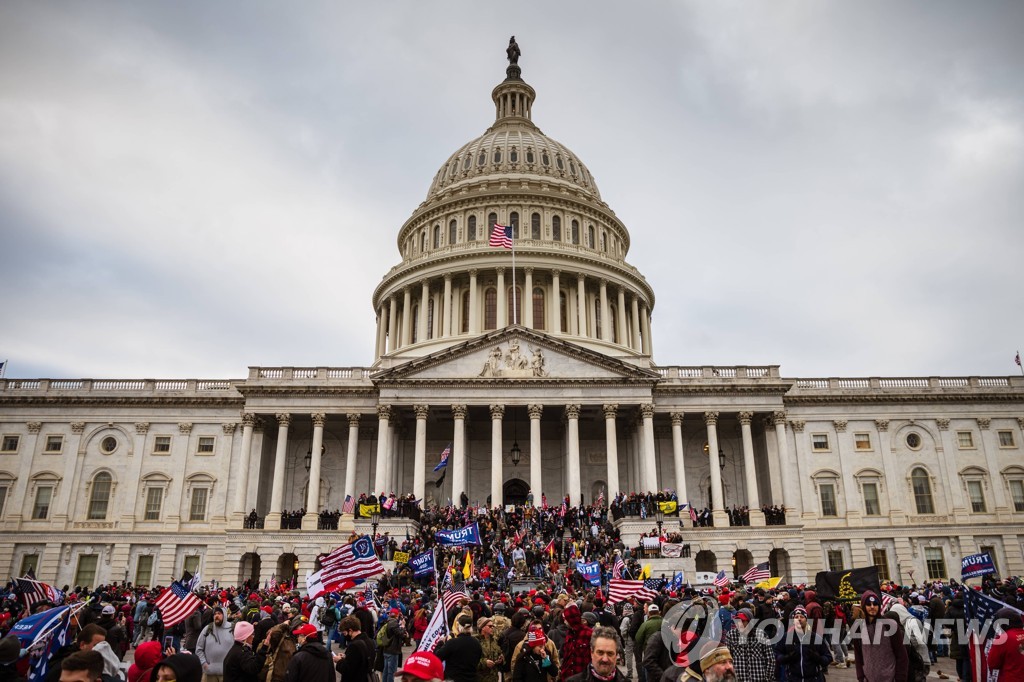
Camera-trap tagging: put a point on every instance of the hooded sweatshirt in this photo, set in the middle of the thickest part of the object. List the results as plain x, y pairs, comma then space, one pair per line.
914, 628
214, 643
147, 655
879, 651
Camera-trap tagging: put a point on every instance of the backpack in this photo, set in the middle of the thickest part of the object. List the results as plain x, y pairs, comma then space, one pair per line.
329, 616
383, 639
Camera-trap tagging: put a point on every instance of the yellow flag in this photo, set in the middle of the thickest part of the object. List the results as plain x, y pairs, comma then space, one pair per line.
646, 572
467, 570
401, 557
669, 507
769, 584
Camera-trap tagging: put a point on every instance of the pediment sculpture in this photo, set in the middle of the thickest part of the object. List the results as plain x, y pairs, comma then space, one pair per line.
513, 363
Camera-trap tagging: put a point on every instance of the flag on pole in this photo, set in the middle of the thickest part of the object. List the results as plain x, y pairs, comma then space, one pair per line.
467, 568
677, 581
645, 572
619, 590
501, 236
693, 514
32, 591
550, 549
618, 567
436, 629
1016, 359
348, 563
191, 582
655, 584
721, 580
444, 458
453, 596
43, 634
981, 610
757, 573
176, 604
314, 584
350, 504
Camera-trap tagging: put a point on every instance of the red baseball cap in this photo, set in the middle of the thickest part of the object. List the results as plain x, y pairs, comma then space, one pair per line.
305, 630
424, 665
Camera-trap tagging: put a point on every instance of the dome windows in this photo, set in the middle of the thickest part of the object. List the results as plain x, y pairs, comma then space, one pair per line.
481, 159
559, 163
556, 228
437, 236
529, 156
545, 159
492, 220
576, 232
471, 229
453, 232
497, 155
513, 156
538, 308
466, 162
572, 168
535, 226
513, 220
590, 236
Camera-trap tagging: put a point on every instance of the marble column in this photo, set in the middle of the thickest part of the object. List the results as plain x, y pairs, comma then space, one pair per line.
421, 332
556, 303
242, 482
419, 474
572, 414
497, 413
474, 314
990, 448
458, 453
407, 320
948, 456
351, 454
753, 499
611, 441
605, 332
790, 498
380, 480
645, 322
382, 333
502, 309
678, 458
620, 310
717, 501
313, 501
392, 323
634, 309
650, 464
581, 304
446, 322
273, 521
527, 303
535, 461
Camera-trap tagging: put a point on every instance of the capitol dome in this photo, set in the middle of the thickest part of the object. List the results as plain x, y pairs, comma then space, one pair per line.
567, 275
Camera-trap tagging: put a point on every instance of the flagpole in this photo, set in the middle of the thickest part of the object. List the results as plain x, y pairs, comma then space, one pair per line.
515, 308
1017, 359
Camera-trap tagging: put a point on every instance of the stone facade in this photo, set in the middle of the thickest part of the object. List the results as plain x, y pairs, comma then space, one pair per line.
102, 480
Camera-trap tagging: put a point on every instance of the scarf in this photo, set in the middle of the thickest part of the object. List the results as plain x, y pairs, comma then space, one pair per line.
598, 676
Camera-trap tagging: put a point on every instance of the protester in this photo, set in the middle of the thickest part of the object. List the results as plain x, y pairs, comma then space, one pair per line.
1007, 653
752, 656
213, 645
311, 662
535, 663
242, 664
878, 650
462, 653
355, 663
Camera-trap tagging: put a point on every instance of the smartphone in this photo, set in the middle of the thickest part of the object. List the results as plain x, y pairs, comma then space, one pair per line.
168, 642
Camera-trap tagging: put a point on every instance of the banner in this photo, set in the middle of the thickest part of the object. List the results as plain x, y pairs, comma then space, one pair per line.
401, 557
436, 629
591, 572
977, 565
470, 535
670, 507
769, 584
366, 509
847, 586
422, 564
672, 550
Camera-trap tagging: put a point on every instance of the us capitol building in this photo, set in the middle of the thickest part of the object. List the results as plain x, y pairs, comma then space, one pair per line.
140, 479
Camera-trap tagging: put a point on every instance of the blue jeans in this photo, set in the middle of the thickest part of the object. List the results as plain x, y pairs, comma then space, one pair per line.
391, 662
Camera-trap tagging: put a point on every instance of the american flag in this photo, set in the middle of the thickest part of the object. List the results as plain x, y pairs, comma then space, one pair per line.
349, 563
618, 567
445, 454
501, 235
33, 591
176, 604
887, 602
981, 609
599, 502
757, 573
350, 504
655, 584
565, 506
721, 580
693, 514
453, 596
619, 589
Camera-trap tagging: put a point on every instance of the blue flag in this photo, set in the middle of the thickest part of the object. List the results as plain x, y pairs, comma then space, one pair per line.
43, 633
422, 564
590, 571
976, 565
470, 535
444, 458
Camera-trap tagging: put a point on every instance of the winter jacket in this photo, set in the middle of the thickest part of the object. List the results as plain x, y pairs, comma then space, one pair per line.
461, 655
278, 654
884, 661
242, 664
491, 652
311, 663
530, 667
213, 645
805, 656
147, 655
576, 649
358, 662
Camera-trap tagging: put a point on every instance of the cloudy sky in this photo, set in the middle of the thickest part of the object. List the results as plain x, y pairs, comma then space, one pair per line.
190, 188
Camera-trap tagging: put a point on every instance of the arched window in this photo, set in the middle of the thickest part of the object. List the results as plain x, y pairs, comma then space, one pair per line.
597, 318
590, 236
559, 162
415, 322
615, 328
545, 159
99, 497
922, 485
604, 242
556, 228
481, 159
437, 236
423, 242
563, 312
465, 312
471, 229
468, 160
453, 232
497, 155
576, 232
430, 317
538, 308
535, 226
492, 220
513, 155
529, 156
515, 312
490, 308
513, 220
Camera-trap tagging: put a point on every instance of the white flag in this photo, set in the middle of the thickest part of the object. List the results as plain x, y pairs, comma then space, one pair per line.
436, 629
314, 585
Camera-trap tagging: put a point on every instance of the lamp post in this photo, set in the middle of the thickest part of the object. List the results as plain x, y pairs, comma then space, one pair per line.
660, 517
374, 520
516, 452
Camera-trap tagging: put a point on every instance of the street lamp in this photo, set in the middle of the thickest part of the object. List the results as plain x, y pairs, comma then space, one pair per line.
308, 459
516, 452
659, 515
374, 520
721, 460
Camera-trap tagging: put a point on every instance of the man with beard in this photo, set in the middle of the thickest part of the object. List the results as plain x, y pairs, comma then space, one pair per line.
752, 654
213, 646
878, 648
312, 662
604, 655
714, 666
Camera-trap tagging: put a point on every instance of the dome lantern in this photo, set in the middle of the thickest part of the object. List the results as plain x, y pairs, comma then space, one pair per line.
513, 98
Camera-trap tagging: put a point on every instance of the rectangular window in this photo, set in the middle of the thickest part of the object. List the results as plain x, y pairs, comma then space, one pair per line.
144, 570
192, 564
881, 560
3, 498
977, 495
828, 499
154, 501
162, 445
10, 443
935, 563
85, 574
197, 510
1006, 439
29, 563
1017, 493
54, 444
819, 441
205, 446
871, 504
835, 559
965, 440
41, 508
862, 441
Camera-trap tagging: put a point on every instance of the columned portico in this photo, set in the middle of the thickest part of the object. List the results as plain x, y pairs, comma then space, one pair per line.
309, 521
572, 415
753, 500
677, 456
383, 424
717, 502
650, 462
242, 484
497, 412
458, 453
612, 450
351, 453
420, 452
536, 470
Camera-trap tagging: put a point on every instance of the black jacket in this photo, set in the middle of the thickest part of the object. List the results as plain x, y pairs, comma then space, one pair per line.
585, 676
242, 664
311, 663
358, 662
461, 656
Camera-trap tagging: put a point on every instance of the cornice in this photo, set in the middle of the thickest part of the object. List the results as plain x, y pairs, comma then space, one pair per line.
297, 390
725, 387
125, 401
908, 397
